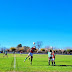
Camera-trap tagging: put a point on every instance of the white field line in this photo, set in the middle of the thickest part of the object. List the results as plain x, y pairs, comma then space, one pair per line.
14, 61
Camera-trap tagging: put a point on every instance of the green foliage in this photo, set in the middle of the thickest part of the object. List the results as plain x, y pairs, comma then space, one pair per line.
12, 48
42, 49
19, 45
68, 50
26, 48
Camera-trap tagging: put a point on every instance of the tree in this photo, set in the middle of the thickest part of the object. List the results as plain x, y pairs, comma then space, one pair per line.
71, 51
26, 48
49, 47
65, 52
42, 49
68, 50
62, 51
39, 44
19, 45
12, 48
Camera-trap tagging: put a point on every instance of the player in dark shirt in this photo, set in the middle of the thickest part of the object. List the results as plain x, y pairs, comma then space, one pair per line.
31, 53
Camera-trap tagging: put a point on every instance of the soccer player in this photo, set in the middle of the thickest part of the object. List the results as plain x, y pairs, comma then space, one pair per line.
31, 54
49, 56
53, 57
5, 54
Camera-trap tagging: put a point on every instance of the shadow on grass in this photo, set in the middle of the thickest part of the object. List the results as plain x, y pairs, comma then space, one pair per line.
63, 61
52, 65
63, 65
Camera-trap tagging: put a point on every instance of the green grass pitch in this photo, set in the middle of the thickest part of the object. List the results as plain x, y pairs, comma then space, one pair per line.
40, 63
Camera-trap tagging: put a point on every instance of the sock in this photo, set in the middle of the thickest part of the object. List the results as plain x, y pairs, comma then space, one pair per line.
31, 61
52, 63
29, 58
49, 62
26, 58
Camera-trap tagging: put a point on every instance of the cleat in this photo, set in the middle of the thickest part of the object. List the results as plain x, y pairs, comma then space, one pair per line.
54, 65
24, 60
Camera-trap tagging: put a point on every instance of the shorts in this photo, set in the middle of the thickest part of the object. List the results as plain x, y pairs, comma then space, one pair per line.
30, 54
50, 57
53, 59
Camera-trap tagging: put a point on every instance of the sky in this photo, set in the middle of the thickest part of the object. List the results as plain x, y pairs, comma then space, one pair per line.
27, 21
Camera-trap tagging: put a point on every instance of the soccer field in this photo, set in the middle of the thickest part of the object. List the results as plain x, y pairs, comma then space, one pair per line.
40, 63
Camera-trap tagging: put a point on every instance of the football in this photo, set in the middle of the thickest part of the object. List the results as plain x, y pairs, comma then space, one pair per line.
33, 42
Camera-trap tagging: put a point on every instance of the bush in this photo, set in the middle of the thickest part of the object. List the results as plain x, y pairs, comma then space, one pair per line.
42, 49
68, 50
12, 48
